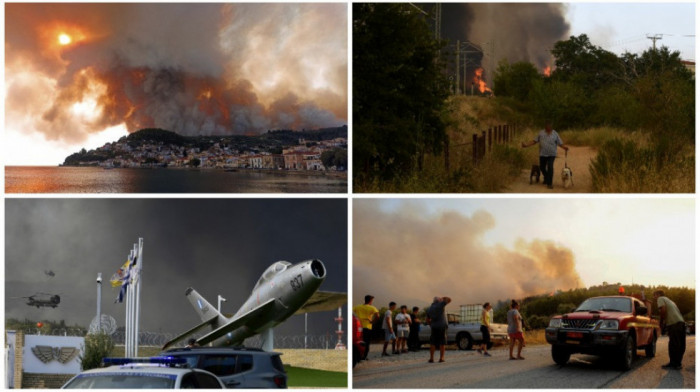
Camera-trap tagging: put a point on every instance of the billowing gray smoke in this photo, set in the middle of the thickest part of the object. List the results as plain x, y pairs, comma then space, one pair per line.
516, 31
189, 68
411, 255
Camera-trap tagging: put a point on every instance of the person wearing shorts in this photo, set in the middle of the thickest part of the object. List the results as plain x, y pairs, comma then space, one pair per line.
402, 322
438, 326
388, 326
515, 329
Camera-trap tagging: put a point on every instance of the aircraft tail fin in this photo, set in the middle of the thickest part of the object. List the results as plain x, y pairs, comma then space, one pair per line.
204, 309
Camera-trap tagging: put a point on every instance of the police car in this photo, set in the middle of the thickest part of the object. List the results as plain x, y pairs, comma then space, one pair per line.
139, 373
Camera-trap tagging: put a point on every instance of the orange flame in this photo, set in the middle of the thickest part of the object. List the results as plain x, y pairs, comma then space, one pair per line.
479, 81
547, 71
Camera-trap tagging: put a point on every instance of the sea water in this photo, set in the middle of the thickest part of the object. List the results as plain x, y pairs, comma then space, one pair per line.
49, 179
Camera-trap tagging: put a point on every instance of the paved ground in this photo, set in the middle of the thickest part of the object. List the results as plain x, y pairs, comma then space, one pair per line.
579, 158
468, 369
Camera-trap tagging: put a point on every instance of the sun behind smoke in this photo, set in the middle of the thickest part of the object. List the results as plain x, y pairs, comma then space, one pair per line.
64, 39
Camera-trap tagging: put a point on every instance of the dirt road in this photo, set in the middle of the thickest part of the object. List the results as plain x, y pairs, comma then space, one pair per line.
467, 369
578, 160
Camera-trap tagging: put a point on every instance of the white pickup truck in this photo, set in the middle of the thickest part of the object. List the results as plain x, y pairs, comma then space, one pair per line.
464, 335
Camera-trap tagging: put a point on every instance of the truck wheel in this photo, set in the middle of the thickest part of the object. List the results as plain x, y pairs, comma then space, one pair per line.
464, 341
560, 355
650, 349
628, 353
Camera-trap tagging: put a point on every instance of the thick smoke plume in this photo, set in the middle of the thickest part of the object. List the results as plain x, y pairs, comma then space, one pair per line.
196, 69
510, 31
410, 256
517, 31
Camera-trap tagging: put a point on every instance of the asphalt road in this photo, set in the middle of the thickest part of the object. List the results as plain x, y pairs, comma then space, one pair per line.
468, 369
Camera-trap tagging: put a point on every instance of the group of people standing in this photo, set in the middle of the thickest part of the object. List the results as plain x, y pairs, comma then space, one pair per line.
402, 330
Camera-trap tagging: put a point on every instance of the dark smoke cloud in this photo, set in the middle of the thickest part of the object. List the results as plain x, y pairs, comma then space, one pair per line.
216, 246
190, 68
518, 31
410, 256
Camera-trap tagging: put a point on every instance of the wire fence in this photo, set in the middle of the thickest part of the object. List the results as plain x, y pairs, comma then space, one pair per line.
158, 339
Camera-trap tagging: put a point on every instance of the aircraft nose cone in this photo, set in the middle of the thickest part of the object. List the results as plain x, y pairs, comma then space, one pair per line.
318, 269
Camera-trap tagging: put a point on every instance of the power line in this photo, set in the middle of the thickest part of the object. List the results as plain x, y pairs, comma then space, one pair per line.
654, 38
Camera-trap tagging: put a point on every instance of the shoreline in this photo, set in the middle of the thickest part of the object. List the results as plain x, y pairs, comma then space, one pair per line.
310, 173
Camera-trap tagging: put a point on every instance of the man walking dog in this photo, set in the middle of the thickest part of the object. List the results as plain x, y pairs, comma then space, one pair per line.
548, 139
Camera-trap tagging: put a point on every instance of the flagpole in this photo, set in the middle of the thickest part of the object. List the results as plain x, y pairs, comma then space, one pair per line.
127, 341
139, 268
132, 290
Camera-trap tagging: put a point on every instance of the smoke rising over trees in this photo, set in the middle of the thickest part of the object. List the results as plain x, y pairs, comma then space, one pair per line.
410, 255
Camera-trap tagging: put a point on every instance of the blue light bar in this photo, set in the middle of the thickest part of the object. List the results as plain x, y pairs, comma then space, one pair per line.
157, 360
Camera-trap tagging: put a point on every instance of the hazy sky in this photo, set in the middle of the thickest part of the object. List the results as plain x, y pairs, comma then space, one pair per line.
620, 27
491, 249
80, 75
216, 246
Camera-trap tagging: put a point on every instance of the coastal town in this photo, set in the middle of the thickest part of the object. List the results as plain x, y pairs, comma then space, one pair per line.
163, 149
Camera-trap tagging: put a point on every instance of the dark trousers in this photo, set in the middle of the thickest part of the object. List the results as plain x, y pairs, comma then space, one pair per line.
676, 343
366, 337
413, 339
547, 169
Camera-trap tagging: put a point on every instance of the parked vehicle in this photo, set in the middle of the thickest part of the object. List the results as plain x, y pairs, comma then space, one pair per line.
464, 335
358, 345
158, 374
690, 327
616, 326
237, 367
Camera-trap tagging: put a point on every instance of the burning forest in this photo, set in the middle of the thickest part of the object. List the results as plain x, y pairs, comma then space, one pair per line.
73, 70
496, 31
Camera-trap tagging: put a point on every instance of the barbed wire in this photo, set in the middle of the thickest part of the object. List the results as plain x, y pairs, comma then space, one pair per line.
158, 339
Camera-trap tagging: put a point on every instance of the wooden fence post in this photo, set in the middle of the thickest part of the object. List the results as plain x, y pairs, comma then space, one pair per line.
483, 144
447, 153
474, 148
490, 139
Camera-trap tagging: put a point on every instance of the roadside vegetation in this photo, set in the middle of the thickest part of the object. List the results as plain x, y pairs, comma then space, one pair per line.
410, 135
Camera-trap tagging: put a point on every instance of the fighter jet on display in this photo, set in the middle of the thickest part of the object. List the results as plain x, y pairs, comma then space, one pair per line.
282, 290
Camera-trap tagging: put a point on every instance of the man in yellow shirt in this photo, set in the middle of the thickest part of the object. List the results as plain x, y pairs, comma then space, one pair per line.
367, 314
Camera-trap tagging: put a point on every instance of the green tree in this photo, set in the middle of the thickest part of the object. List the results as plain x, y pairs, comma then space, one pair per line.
399, 90
515, 80
97, 346
577, 60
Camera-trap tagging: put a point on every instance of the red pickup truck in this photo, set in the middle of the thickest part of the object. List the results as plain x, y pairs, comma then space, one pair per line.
614, 326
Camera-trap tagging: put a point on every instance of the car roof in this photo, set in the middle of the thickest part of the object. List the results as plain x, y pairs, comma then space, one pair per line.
236, 349
140, 368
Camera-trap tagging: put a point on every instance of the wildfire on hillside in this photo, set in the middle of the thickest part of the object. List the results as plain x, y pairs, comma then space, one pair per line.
202, 69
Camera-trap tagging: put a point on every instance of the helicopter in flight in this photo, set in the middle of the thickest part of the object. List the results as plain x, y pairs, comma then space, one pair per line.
41, 300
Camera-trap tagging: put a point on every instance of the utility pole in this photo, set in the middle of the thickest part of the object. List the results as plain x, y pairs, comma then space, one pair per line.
457, 71
654, 38
438, 20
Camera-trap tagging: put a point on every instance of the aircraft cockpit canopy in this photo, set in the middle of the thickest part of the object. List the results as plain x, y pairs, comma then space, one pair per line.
271, 271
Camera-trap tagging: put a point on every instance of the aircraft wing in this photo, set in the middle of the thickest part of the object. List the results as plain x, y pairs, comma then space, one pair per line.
181, 338
323, 301
253, 319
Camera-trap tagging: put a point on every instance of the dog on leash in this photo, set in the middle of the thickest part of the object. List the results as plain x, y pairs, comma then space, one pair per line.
567, 176
535, 174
